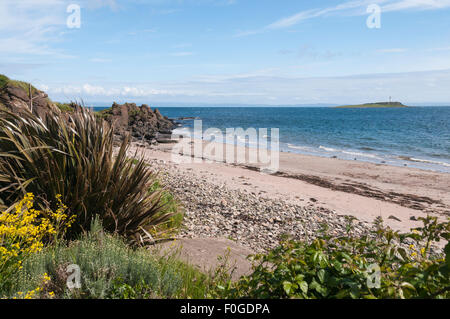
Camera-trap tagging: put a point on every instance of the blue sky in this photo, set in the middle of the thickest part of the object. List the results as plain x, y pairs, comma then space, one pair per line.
230, 51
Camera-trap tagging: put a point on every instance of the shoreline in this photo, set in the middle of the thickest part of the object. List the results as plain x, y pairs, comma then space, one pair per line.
364, 154
307, 190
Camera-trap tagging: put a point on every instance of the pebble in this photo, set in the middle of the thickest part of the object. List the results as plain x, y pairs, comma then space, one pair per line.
257, 221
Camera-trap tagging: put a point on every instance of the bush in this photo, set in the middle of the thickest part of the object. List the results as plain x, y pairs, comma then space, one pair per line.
109, 269
24, 231
72, 155
344, 267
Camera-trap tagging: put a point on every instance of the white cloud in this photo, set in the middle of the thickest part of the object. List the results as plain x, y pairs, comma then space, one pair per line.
28, 26
262, 88
416, 4
357, 7
31, 27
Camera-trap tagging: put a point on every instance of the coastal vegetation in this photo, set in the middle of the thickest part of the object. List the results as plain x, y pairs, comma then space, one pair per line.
110, 269
65, 107
72, 155
374, 105
5, 81
383, 265
70, 194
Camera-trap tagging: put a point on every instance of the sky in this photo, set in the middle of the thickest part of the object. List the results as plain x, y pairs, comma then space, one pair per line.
200, 52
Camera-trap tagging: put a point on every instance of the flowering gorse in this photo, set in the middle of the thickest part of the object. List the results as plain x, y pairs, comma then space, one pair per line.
24, 230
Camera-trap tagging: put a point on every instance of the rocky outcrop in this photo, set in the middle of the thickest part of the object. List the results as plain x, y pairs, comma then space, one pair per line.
142, 122
17, 98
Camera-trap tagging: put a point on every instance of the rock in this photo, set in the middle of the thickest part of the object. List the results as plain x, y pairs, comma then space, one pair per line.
140, 121
15, 96
394, 218
213, 210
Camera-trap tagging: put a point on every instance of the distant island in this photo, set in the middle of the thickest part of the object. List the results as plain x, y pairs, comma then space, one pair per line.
374, 105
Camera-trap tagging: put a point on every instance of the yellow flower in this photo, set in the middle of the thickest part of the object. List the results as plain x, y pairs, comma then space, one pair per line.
24, 230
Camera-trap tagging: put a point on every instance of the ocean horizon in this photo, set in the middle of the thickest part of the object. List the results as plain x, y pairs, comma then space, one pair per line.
416, 137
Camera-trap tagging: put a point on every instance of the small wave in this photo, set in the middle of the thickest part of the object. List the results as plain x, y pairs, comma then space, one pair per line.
360, 154
181, 131
419, 160
304, 148
328, 149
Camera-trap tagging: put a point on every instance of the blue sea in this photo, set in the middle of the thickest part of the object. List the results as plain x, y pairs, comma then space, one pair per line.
416, 137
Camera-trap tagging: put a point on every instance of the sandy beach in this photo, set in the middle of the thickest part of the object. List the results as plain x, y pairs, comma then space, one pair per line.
400, 195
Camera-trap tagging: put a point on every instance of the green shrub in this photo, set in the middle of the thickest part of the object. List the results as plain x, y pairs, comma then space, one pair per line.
108, 269
65, 107
343, 267
169, 206
72, 154
3, 80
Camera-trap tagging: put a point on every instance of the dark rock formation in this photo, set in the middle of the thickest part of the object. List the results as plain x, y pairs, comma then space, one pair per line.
142, 122
17, 98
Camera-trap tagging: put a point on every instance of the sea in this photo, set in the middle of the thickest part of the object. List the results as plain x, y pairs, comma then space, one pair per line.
416, 137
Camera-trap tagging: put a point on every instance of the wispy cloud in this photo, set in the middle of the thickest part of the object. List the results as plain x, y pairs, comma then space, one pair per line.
31, 27
357, 7
28, 26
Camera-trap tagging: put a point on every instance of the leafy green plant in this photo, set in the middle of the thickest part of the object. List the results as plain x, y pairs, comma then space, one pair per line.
343, 267
72, 154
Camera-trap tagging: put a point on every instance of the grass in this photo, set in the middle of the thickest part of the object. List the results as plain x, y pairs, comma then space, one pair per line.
4, 80
65, 107
170, 205
109, 269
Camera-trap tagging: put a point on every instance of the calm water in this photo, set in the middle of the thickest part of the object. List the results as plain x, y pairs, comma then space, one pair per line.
417, 136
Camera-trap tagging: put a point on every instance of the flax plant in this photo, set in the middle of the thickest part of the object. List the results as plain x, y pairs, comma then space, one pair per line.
72, 154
